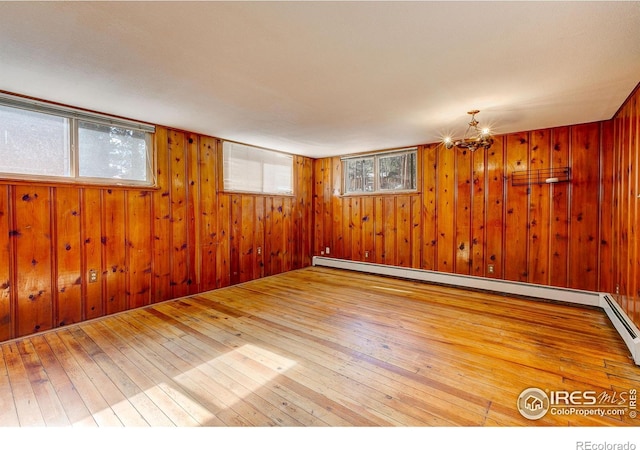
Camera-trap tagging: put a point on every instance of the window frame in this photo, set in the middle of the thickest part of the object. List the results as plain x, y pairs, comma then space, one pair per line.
376, 157
73, 117
223, 178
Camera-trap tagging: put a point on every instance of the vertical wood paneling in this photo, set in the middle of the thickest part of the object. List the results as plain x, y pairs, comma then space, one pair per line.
429, 188
114, 250
337, 242
390, 230
607, 268
517, 207
208, 165
287, 234
633, 273
320, 200
139, 248
193, 213
539, 210
347, 228
559, 226
478, 219
583, 244
357, 250
32, 233
179, 255
302, 214
635, 196
223, 257
6, 319
275, 237
415, 255
617, 199
68, 306
258, 239
626, 214
404, 231
235, 237
496, 182
247, 225
307, 211
91, 233
368, 234
463, 213
162, 220
446, 210
327, 206
378, 227
625, 201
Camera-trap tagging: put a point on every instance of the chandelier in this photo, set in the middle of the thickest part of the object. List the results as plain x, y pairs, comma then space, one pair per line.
472, 142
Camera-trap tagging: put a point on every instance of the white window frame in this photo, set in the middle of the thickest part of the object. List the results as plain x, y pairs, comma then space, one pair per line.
235, 179
74, 116
376, 157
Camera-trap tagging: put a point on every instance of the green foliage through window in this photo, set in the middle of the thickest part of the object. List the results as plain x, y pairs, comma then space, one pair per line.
383, 172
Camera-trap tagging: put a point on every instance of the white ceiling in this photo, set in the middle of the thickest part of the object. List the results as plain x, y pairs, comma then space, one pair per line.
326, 78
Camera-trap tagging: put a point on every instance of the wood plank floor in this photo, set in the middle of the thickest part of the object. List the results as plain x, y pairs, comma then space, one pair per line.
316, 347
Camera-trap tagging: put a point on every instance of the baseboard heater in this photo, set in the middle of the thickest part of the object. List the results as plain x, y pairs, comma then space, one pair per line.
623, 325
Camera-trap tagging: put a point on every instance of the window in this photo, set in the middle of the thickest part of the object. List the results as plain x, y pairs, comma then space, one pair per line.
43, 141
252, 169
382, 172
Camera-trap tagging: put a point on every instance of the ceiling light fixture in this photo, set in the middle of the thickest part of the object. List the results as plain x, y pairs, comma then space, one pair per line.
482, 138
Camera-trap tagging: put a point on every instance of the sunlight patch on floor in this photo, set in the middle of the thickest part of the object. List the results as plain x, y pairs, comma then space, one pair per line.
234, 375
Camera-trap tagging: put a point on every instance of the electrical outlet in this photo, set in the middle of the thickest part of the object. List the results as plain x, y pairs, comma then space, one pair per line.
259, 250
93, 276
326, 250
366, 254
490, 268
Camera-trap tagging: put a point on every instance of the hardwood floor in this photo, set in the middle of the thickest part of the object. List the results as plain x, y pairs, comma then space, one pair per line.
316, 347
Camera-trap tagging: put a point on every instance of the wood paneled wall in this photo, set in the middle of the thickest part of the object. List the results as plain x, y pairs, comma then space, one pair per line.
146, 245
623, 215
467, 215
187, 236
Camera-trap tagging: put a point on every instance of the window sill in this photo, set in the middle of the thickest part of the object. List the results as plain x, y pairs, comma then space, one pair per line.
379, 193
258, 194
75, 183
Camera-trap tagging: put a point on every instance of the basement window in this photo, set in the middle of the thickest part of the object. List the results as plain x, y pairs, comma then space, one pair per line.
41, 141
256, 170
380, 172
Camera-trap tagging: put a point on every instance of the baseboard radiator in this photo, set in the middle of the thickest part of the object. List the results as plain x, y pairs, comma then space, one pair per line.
625, 327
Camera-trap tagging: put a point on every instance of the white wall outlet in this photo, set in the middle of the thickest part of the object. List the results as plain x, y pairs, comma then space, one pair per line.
93, 276
326, 250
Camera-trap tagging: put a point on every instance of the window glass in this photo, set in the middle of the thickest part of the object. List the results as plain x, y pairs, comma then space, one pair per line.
252, 169
45, 141
397, 172
112, 152
33, 143
360, 175
384, 172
